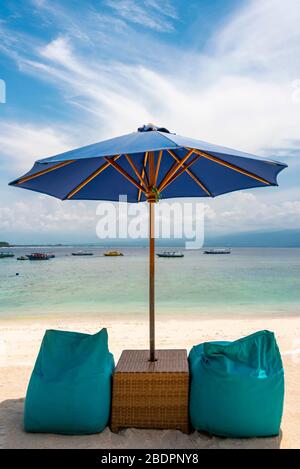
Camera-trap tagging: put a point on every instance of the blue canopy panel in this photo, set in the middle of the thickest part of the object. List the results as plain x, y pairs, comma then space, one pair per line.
219, 179
188, 142
139, 142
135, 142
84, 174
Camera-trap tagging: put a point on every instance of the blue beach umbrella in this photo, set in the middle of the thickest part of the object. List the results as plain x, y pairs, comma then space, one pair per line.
143, 165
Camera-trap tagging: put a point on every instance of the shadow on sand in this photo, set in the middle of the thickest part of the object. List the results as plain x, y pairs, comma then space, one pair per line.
13, 436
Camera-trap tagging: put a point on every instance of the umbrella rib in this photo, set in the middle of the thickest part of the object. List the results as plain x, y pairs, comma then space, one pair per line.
135, 170
89, 178
124, 173
175, 167
145, 170
232, 166
151, 168
182, 170
44, 171
157, 166
143, 174
192, 175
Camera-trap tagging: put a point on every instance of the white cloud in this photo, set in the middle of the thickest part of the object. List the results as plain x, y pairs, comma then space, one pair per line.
232, 95
238, 93
59, 51
21, 143
262, 36
44, 215
39, 215
251, 212
147, 13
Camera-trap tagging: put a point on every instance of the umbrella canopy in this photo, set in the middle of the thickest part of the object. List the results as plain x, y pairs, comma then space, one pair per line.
143, 165
104, 170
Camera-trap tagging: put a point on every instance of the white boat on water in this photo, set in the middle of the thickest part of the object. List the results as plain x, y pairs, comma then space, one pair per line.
6, 254
82, 253
217, 251
170, 254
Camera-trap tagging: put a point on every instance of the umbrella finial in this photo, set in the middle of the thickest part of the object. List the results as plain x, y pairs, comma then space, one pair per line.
151, 127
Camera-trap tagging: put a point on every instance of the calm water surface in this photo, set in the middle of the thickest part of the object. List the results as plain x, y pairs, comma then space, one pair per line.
248, 281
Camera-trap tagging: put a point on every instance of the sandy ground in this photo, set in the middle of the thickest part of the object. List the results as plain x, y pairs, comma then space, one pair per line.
19, 344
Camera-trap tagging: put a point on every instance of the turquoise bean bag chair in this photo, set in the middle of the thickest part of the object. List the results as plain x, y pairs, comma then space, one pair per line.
237, 388
70, 387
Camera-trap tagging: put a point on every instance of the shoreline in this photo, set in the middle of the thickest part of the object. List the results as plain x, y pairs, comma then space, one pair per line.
190, 314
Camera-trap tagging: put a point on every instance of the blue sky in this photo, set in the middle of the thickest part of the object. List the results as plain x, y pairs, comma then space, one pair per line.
224, 71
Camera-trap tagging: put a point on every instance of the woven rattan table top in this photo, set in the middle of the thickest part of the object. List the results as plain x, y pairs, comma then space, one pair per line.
168, 361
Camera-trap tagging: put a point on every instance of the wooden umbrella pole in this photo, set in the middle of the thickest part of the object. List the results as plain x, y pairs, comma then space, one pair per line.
152, 278
151, 200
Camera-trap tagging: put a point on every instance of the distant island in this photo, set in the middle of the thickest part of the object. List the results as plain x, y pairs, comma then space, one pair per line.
277, 239
281, 239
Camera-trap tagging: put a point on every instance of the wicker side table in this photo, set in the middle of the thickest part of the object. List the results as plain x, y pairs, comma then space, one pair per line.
151, 394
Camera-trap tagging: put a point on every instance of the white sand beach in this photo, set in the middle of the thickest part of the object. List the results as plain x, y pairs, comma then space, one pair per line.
19, 345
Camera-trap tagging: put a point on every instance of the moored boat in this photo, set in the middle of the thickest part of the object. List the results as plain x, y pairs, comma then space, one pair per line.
6, 254
82, 253
38, 256
217, 251
170, 254
113, 254
22, 258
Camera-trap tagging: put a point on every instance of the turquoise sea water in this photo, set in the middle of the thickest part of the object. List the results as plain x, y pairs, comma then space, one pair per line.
248, 281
